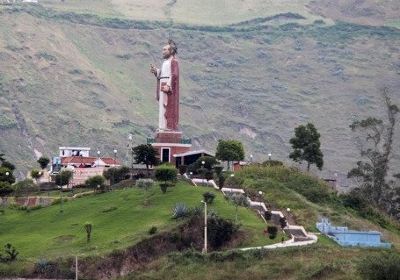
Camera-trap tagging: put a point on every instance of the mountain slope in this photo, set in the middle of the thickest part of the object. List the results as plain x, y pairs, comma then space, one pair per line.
70, 79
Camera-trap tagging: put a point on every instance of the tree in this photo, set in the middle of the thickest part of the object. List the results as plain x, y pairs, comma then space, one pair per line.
63, 178
208, 197
145, 154
375, 141
6, 175
238, 199
95, 182
88, 228
36, 174
229, 150
43, 162
8, 165
306, 146
167, 174
5, 189
116, 175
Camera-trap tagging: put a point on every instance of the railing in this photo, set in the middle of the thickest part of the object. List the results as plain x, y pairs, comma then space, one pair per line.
186, 141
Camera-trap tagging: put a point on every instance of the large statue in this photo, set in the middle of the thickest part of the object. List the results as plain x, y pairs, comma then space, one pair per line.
168, 88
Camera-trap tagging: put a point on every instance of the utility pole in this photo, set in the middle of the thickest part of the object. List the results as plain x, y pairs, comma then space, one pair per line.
205, 227
76, 267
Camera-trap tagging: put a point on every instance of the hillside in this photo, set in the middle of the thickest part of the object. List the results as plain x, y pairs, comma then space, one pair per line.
120, 219
69, 78
121, 245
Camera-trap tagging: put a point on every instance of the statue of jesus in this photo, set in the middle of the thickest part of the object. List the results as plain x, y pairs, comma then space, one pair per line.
168, 88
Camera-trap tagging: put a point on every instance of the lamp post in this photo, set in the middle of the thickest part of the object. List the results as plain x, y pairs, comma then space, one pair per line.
269, 156
202, 169
205, 227
115, 163
98, 157
130, 146
251, 158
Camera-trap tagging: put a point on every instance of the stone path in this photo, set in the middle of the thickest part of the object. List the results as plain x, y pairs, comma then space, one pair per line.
299, 236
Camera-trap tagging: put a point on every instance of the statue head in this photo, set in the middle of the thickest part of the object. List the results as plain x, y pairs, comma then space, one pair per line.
170, 49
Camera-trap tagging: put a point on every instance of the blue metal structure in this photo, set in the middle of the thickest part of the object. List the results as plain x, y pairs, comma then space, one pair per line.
345, 237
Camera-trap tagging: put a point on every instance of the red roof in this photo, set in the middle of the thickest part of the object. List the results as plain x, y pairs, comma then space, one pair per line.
109, 161
87, 160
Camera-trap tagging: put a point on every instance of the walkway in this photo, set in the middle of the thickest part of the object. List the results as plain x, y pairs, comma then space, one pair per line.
299, 236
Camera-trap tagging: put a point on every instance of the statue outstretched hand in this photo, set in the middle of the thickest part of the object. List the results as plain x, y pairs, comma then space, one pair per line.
153, 69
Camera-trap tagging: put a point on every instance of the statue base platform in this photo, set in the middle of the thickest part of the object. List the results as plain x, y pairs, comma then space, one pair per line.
168, 143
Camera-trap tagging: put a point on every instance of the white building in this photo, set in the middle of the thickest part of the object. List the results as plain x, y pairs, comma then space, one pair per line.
74, 152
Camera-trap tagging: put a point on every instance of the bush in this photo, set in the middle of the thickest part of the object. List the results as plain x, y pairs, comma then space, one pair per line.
380, 266
272, 163
180, 211
45, 268
272, 231
282, 222
47, 186
95, 182
43, 162
221, 181
208, 197
267, 215
220, 230
167, 174
197, 167
25, 187
10, 253
152, 230
182, 169
116, 175
5, 189
144, 183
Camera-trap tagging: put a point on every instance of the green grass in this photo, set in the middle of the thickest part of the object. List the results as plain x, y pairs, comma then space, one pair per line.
318, 261
48, 233
310, 198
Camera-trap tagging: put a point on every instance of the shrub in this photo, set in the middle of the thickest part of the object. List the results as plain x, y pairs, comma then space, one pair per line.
220, 230
167, 174
5, 189
182, 169
380, 266
25, 187
45, 268
88, 228
233, 182
152, 230
10, 253
272, 231
221, 181
116, 175
144, 183
208, 197
267, 215
95, 182
282, 222
209, 163
43, 162
180, 210
272, 163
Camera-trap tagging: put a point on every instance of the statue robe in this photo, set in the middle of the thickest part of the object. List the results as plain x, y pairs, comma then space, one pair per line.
168, 99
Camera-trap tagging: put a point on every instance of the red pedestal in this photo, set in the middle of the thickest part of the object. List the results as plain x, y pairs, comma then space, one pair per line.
169, 143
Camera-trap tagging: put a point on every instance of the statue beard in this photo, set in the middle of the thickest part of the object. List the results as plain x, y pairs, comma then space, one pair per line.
167, 56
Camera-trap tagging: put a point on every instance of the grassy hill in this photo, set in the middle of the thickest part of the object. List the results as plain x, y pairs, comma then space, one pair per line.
122, 218
119, 219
